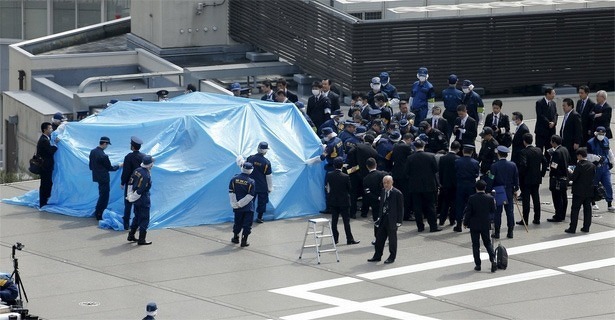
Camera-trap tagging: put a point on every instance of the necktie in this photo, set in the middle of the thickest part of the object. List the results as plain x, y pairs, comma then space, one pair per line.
435, 123
564, 124
582, 106
495, 121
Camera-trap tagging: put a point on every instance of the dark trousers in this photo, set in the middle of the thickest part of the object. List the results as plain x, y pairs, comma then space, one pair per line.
373, 203
464, 191
382, 233
560, 201
446, 204
586, 202
543, 143
44, 191
103, 199
141, 219
356, 190
336, 211
510, 213
476, 236
261, 204
424, 205
528, 191
127, 207
243, 220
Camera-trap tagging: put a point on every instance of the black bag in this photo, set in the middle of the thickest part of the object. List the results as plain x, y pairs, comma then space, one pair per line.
599, 192
36, 164
501, 257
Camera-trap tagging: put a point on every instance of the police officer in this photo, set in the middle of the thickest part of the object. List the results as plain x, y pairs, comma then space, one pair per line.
436, 139
131, 162
506, 177
241, 193
467, 170
348, 136
451, 97
141, 182
389, 89
100, 166
334, 148
473, 101
163, 95
262, 178
334, 123
384, 146
423, 95
152, 310
599, 146
487, 155
376, 89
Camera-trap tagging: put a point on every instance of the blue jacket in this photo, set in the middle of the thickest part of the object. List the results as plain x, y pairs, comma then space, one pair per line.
390, 91
451, 97
421, 94
473, 102
505, 174
242, 185
100, 165
141, 181
262, 168
467, 170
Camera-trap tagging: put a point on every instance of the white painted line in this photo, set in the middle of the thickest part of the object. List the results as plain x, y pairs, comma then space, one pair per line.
468, 259
589, 265
322, 284
492, 282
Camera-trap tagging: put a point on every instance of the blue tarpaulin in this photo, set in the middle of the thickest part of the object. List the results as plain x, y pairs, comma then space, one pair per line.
195, 140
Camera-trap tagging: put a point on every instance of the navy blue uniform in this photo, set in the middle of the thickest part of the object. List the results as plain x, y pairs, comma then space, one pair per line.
262, 168
505, 175
451, 97
390, 91
132, 161
422, 95
335, 126
474, 104
141, 182
334, 149
467, 171
100, 166
242, 185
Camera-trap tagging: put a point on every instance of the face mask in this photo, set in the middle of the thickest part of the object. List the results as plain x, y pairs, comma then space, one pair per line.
436, 116
316, 92
375, 87
466, 90
600, 137
422, 78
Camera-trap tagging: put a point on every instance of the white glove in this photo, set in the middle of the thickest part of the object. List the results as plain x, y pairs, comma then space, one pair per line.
313, 161
269, 183
239, 161
398, 225
244, 201
481, 116
394, 103
233, 199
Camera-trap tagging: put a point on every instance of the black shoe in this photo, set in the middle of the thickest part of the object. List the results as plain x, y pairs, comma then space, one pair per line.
260, 220
421, 229
554, 220
244, 241
584, 229
131, 236
494, 266
435, 230
235, 239
373, 242
363, 216
520, 223
142, 236
354, 216
477, 268
457, 229
452, 222
495, 235
509, 234
324, 212
389, 260
536, 221
353, 242
441, 222
374, 259
569, 230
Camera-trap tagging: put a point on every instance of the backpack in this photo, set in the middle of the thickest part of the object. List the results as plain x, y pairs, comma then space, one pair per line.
501, 257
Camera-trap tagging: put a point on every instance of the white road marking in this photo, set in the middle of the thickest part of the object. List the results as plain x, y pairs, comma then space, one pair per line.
344, 306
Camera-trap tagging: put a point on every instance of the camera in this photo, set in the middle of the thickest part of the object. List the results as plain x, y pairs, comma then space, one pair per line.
18, 246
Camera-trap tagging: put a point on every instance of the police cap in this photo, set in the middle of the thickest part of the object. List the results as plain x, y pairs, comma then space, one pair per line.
486, 131
263, 145
327, 131
162, 93
151, 307
375, 112
503, 149
105, 140
247, 166
136, 140
452, 79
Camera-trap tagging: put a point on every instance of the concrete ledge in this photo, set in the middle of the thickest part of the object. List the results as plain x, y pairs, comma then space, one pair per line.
261, 56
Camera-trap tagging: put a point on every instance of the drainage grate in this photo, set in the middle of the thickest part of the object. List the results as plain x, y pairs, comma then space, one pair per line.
89, 304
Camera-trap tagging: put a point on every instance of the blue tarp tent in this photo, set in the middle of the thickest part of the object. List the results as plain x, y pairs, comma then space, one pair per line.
195, 140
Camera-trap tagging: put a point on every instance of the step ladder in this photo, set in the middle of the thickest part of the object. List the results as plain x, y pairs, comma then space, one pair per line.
313, 230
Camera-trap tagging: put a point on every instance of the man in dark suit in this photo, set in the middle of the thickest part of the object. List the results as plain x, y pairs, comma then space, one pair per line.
558, 178
318, 106
132, 161
269, 94
602, 113
499, 123
477, 218
338, 199
465, 128
582, 178
447, 177
585, 106
517, 141
571, 130
505, 177
100, 166
422, 168
532, 167
333, 97
392, 213
45, 150
438, 122
283, 85
399, 156
467, 171
372, 184
357, 169
546, 119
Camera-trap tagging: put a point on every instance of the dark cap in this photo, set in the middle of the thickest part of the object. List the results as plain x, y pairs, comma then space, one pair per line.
350, 123
404, 123
375, 112
105, 140
468, 148
337, 113
452, 79
384, 77
147, 160
503, 149
486, 131
162, 93
327, 131
360, 130
235, 86
338, 162
263, 145
136, 140
601, 129
247, 166
376, 80
395, 136
466, 83
151, 307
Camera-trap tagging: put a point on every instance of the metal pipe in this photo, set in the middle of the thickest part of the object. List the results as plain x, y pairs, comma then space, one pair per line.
22, 77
